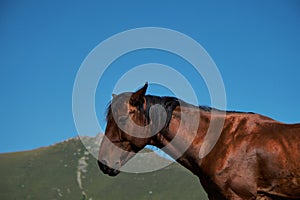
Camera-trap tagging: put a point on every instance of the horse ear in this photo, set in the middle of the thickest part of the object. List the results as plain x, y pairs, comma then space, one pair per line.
142, 91
137, 98
113, 96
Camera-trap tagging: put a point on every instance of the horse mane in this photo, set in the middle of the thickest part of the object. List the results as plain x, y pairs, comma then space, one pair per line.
169, 104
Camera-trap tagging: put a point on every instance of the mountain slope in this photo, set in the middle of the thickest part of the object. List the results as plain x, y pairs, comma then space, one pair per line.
67, 171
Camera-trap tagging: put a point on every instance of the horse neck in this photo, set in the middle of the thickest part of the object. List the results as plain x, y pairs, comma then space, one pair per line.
183, 138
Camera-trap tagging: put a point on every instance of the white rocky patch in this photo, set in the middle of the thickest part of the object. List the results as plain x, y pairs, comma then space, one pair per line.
81, 169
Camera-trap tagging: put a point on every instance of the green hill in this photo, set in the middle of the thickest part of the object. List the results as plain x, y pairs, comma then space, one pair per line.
66, 171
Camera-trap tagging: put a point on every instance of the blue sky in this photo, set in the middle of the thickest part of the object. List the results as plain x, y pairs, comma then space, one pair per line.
255, 44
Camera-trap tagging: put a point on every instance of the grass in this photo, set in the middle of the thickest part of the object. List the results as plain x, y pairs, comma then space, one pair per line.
51, 173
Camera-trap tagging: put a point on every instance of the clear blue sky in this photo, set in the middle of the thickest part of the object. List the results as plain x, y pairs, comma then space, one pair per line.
255, 44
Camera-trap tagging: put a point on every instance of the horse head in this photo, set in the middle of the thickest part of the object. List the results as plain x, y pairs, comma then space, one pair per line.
127, 130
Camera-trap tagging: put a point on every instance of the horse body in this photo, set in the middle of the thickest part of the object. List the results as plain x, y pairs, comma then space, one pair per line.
255, 157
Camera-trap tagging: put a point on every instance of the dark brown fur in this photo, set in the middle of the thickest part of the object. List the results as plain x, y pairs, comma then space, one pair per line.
255, 157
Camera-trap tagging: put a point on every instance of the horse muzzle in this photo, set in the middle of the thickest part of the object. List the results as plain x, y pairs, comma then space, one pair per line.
106, 169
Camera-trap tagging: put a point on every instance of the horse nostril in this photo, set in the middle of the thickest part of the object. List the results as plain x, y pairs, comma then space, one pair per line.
117, 164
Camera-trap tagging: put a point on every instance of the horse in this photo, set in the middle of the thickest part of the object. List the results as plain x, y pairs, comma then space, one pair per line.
253, 157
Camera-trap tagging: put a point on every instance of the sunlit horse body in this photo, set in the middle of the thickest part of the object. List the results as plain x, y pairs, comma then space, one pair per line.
255, 157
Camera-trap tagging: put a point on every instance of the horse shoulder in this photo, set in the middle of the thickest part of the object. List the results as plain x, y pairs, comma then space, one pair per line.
230, 163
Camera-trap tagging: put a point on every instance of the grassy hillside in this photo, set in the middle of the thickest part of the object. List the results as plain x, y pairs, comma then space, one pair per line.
67, 171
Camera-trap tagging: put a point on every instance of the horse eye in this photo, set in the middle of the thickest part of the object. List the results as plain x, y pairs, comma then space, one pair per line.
131, 112
122, 120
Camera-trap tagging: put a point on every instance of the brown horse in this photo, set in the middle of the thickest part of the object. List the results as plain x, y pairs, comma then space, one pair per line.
254, 157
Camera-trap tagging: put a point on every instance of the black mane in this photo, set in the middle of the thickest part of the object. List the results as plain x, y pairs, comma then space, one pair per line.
169, 104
